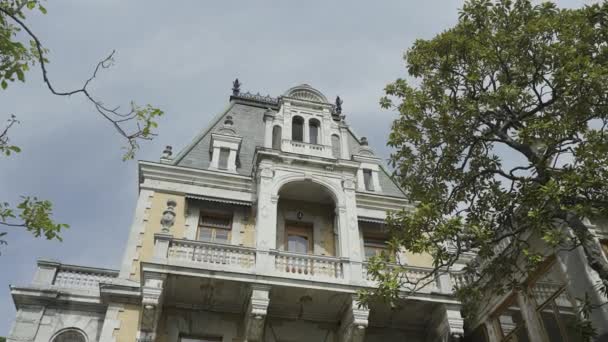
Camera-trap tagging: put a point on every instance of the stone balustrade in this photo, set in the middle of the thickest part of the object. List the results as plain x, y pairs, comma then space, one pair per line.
306, 148
212, 254
328, 269
308, 266
72, 277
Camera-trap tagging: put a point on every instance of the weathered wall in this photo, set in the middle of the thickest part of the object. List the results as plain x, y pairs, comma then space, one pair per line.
321, 216
40, 324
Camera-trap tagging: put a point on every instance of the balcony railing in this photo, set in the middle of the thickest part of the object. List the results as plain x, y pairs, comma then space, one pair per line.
81, 279
275, 263
308, 266
415, 277
306, 148
211, 254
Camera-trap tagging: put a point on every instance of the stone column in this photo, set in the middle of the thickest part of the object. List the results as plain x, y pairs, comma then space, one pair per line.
350, 240
255, 315
266, 220
215, 158
268, 120
344, 136
492, 330
151, 302
527, 308
353, 323
306, 131
448, 324
232, 160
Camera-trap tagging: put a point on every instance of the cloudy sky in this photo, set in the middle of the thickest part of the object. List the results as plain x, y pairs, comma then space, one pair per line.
183, 59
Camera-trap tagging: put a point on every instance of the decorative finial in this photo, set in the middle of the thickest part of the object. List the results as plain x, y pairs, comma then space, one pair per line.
168, 218
166, 156
168, 152
339, 105
364, 141
236, 87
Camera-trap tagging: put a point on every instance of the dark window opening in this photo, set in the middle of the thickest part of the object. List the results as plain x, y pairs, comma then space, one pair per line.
297, 129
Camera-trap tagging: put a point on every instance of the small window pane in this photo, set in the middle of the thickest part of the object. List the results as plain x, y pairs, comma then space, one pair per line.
367, 179
224, 154
221, 235
205, 234
297, 244
313, 131
297, 129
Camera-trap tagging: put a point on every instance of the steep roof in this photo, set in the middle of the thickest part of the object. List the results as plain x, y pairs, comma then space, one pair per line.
247, 111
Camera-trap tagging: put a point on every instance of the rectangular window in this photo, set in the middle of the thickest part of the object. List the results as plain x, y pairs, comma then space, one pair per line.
298, 238
376, 247
510, 322
214, 228
367, 179
223, 162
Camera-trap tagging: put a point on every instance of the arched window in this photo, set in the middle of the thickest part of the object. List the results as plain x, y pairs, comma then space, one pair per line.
70, 335
276, 137
314, 128
335, 146
297, 128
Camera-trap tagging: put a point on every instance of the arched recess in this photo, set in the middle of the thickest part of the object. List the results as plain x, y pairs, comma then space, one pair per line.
297, 129
314, 131
277, 134
336, 149
70, 335
306, 219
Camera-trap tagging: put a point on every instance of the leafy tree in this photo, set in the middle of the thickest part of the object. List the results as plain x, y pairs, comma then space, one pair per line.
501, 135
20, 50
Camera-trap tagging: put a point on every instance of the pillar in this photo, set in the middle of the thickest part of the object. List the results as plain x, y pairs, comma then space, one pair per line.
266, 220
354, 322
151, 302
527, 306
255, 315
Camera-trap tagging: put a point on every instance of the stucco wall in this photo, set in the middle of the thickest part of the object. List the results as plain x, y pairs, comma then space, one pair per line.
40, 324
145, 249
129, 323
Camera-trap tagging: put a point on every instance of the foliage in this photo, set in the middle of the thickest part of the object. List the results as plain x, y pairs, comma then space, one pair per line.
20, 50
501, 136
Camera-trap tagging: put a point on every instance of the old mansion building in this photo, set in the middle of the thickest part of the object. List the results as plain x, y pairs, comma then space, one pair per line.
259, 230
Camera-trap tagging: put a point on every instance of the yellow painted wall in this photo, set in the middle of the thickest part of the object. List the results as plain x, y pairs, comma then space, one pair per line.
129, 323
159, 203
249, 232
419, 260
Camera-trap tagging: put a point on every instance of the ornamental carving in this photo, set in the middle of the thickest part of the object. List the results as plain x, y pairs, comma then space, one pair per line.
168, 218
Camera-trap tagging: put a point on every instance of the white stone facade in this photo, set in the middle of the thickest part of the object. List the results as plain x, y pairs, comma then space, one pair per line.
215, 249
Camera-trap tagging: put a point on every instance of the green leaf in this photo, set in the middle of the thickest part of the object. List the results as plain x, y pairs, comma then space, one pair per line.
3, 84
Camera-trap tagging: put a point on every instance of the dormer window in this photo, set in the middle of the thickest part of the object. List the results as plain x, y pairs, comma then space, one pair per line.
224, 147
297, 129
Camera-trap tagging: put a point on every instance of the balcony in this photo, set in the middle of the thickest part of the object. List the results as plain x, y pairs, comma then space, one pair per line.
300, 147
286, 267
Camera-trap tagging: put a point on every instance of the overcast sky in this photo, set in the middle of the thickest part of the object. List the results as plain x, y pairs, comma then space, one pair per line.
183, 60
